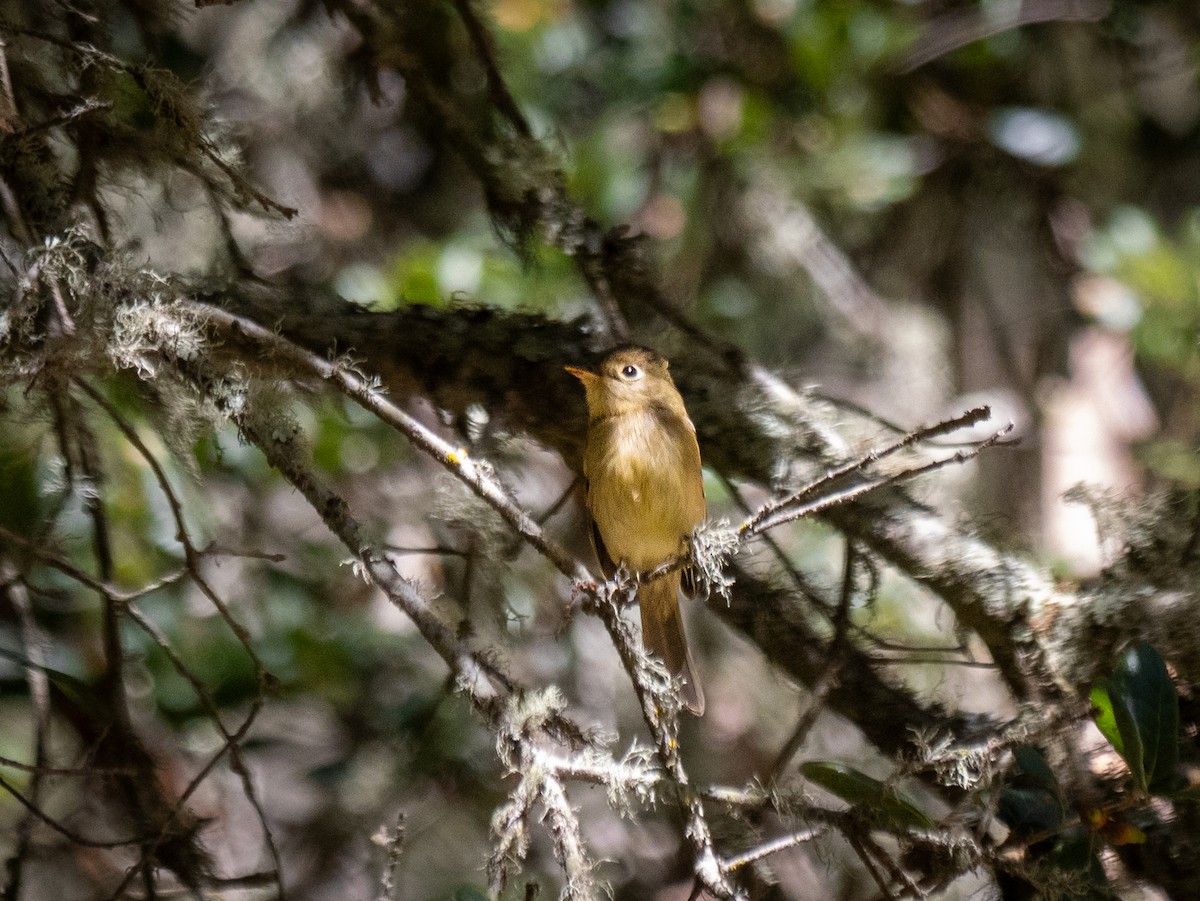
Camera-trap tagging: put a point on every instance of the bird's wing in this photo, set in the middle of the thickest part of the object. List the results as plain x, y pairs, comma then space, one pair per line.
607, 565
695, 501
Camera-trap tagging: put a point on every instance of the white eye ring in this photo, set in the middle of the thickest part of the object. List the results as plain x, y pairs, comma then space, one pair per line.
631, 372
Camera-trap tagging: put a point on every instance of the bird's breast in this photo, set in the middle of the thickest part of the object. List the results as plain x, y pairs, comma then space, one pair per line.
644, 486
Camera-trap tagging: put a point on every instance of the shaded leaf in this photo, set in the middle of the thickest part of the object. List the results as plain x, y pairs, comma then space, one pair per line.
21, 503
1032, 764
857, 788
1138, 711
1031, 802
1105, 718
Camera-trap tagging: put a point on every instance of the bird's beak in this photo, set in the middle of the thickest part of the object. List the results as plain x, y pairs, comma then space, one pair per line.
583, 375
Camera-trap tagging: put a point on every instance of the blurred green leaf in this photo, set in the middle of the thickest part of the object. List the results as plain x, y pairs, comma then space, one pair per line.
1105, 717
1174, 460
1163, 272
131, 106
21, 503
413, 275
855, 787
1139, 714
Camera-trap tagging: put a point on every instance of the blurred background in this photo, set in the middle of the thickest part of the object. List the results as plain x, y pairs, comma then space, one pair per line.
910, 206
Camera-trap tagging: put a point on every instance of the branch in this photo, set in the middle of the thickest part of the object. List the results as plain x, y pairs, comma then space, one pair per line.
368, 393
526, 193
36, 650
951, 30
820, 494
479, 477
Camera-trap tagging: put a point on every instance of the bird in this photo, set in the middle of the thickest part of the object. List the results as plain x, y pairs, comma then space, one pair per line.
645, 492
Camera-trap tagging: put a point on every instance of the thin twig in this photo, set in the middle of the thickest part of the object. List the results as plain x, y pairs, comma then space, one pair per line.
368, 394
79, 443
501, 97
77, 772
896, 872
959, 27
34, 642
808, 502
193, 557
802, 584
828, 679
64, 831
660, 712
856, 844
769, 510
438, 550
80, 111
783, 843
67, 568
393, 840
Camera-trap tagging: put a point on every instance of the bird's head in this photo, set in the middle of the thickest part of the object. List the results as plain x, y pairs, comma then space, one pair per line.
629, 379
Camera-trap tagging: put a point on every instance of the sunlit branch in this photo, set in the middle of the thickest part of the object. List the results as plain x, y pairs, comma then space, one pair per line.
476, 475
819, 494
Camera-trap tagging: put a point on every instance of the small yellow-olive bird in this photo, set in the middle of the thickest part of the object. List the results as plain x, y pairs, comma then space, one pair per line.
645, 491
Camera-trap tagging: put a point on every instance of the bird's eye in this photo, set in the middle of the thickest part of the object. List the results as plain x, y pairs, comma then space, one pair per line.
631, 372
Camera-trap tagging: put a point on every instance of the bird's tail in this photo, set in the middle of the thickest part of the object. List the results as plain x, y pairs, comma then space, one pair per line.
662, 633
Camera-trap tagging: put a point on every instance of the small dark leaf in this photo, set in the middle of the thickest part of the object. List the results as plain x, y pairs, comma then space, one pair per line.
1030, 811
21, 504
857, 788
1030, 801
1032, 766
1139, 713
1129, 744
